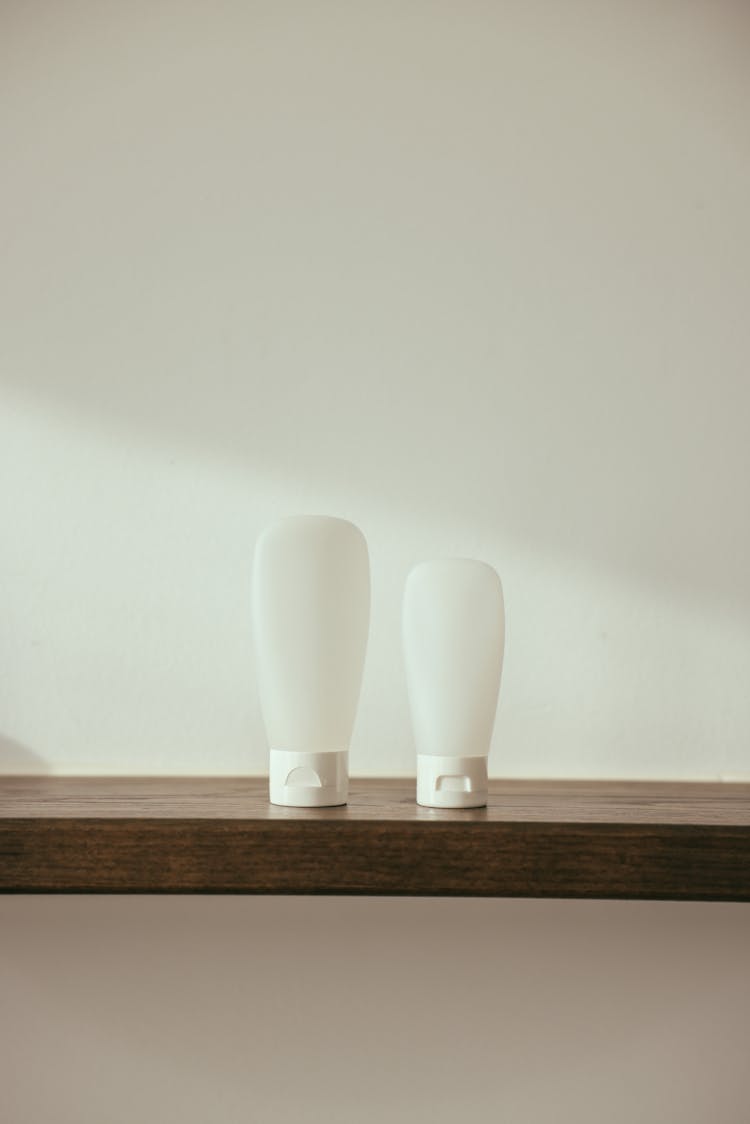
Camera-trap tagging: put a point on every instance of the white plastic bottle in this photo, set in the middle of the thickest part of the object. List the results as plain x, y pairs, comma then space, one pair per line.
454, 636
311, 614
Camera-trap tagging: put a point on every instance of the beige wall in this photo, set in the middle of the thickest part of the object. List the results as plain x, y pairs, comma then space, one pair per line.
474, 275
289, 1010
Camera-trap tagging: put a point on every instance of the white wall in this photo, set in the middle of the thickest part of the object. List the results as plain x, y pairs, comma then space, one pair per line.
475, 276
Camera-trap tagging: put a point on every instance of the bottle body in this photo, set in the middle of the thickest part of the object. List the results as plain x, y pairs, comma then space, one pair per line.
454, 636
311, 613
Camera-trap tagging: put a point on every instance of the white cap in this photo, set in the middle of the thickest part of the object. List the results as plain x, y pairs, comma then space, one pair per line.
451, 782
308, 780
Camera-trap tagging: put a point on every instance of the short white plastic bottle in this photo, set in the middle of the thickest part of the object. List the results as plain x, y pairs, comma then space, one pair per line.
454, 638
311, 616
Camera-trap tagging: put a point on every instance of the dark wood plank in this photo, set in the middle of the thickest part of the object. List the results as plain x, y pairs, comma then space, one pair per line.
677, 841
178, 797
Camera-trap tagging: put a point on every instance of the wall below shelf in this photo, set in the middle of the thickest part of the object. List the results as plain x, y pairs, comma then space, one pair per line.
557, 839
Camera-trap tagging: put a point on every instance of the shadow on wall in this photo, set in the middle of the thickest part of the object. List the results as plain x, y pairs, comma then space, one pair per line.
18, 759
498, 328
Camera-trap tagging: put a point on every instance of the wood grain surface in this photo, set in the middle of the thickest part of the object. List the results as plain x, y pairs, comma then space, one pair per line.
563, 839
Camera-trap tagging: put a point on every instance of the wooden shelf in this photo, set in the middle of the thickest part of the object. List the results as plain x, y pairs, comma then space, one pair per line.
541, 839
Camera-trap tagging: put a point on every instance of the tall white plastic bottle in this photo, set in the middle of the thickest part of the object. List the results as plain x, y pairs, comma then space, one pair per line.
454, 637
311, 614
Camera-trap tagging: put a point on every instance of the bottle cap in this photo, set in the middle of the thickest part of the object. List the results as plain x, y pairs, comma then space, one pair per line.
451, 782
308, 780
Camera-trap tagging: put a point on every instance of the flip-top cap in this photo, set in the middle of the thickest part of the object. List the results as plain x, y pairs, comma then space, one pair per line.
308, 780
451, 782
